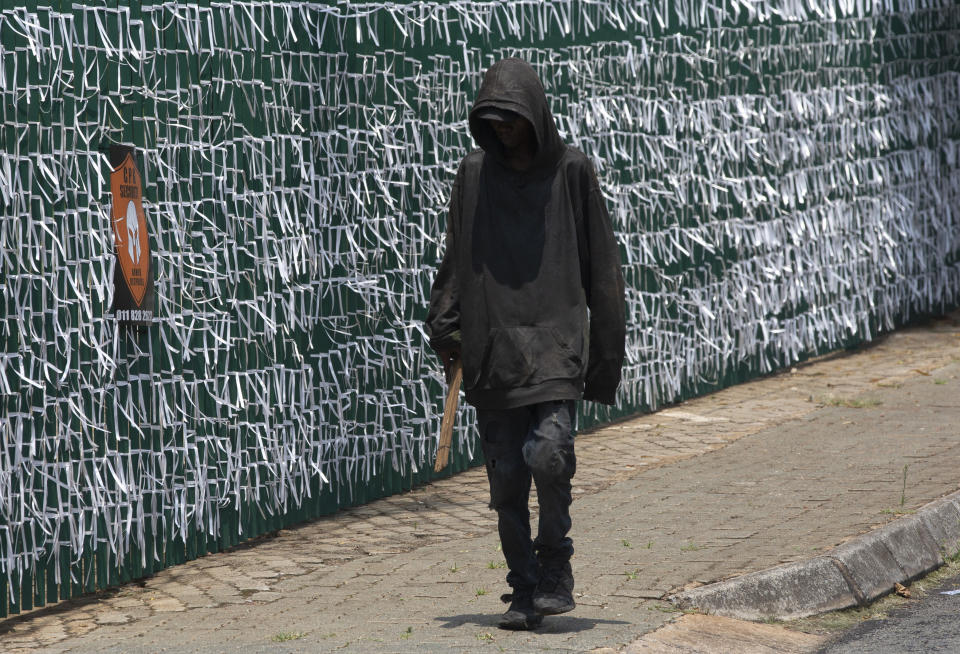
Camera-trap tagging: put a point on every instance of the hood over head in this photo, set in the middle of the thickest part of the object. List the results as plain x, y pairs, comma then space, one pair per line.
512, 85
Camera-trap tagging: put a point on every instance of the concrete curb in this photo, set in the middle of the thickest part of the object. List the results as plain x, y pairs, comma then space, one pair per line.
853, 574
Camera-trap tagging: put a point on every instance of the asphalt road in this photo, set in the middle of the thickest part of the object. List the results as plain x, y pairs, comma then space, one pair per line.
932, 624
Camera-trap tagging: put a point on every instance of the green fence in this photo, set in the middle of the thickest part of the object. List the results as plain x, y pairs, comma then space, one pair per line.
783, 178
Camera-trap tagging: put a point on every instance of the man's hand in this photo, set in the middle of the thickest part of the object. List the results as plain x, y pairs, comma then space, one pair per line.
447, 357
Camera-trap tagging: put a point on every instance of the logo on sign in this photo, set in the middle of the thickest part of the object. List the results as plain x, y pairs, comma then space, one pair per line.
130, 228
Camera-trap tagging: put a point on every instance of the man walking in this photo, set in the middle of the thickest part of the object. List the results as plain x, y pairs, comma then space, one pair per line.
529, 248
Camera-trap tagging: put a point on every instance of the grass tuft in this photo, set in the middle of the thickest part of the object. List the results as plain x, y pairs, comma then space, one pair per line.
284, 636
849, 402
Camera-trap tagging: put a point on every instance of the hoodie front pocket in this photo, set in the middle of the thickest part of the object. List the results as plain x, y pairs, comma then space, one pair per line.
525, 356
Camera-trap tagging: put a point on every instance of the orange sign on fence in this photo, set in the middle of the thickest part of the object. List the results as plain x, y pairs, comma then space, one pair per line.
131, 240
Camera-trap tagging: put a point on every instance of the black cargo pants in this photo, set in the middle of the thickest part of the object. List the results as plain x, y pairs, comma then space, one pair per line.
531, 442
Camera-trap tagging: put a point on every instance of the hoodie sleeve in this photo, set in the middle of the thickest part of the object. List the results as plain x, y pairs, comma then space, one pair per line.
603, 285
443, 318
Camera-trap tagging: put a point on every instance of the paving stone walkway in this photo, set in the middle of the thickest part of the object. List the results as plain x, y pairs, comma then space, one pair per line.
767, 472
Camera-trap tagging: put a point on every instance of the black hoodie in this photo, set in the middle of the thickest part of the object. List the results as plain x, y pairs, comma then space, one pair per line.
526, 254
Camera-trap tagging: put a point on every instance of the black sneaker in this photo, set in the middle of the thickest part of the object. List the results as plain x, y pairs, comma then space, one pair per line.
520, 616
554, 593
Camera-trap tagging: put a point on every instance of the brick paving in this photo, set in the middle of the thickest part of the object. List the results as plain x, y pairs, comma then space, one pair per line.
766, 472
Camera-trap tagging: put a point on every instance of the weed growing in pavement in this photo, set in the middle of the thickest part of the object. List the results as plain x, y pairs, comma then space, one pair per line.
896, 512
667, 608
493, 565
953, 558
633, 575
649, 544
949, 557
690, 547
487, 637
848, 402
481, 591
903, 492
406, 634
284, 636
865, 403
625, 542
939, 382
454, 568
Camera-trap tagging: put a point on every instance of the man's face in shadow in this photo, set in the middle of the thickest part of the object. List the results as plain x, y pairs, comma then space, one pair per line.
514, 133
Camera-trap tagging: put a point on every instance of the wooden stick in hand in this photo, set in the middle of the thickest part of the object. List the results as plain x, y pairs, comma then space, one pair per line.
449, 415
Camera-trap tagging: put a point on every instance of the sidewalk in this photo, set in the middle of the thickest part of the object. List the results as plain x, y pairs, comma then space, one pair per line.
768, 472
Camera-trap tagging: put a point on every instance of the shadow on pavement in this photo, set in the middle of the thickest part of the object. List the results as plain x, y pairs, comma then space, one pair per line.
552, 624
